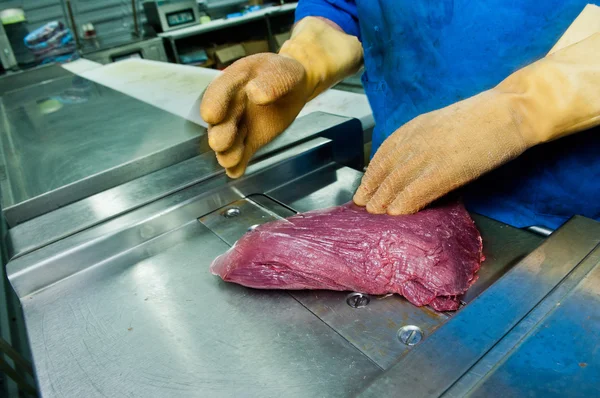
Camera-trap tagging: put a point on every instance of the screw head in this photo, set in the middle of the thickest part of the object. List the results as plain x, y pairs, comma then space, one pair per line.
357, 300
410, 335
232, 212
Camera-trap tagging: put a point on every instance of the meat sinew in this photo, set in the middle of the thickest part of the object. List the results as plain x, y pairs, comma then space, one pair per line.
430, 257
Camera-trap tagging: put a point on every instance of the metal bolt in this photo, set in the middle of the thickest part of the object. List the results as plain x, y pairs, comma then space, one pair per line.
252, 227
357, 300
233, 212
410, 334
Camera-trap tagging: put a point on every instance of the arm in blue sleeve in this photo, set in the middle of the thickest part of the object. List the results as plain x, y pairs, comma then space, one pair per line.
341, 12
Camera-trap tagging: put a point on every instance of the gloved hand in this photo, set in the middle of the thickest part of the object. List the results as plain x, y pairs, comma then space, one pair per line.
444, 149
251, 103
258, 97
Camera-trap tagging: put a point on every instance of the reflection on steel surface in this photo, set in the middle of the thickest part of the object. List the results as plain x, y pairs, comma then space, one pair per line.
98, 139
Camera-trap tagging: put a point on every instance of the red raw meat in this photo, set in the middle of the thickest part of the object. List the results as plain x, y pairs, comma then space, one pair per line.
430, 257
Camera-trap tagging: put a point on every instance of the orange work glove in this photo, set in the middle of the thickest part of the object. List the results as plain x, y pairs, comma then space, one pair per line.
439, 151
258, 97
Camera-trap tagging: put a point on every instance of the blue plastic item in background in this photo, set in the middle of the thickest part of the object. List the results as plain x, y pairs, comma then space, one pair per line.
194, 57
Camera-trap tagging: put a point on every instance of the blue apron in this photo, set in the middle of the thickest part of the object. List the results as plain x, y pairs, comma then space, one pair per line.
424, 55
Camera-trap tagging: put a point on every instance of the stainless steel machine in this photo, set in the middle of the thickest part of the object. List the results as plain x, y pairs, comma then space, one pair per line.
118, 300
166, 15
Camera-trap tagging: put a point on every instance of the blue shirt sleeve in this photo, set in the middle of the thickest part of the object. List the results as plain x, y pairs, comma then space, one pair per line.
342, 12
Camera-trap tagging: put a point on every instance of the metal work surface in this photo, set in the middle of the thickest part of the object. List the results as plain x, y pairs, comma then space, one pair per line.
156, 322
94, 209
47, 265
459, 348
68, 138
373, 328
128, 306
555, 345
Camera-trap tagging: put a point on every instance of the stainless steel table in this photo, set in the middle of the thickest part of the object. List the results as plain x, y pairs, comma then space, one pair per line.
125, 305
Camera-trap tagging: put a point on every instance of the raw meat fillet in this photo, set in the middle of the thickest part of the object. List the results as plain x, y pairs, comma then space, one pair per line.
429, 257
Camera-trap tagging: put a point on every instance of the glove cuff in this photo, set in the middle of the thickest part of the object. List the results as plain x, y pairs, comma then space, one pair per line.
327, 54
557, 95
